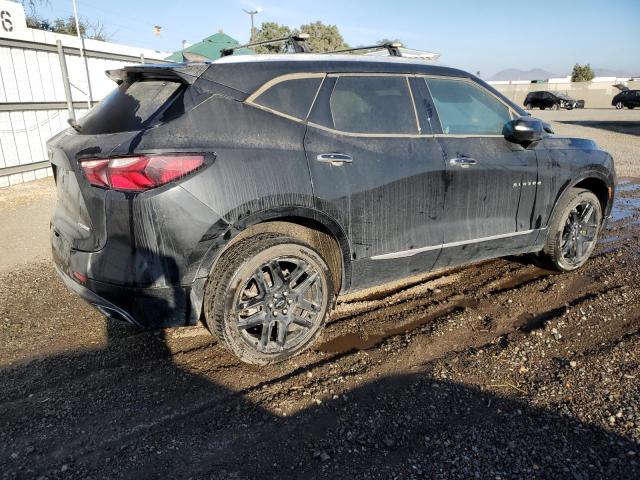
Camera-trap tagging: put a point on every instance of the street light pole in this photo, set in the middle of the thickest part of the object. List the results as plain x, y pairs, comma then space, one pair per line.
251, 13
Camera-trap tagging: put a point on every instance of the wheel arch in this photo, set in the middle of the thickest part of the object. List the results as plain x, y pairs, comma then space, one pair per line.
314, 227
594, 181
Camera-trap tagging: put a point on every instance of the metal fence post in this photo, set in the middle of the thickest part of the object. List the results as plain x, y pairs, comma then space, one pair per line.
65, 81
142, 58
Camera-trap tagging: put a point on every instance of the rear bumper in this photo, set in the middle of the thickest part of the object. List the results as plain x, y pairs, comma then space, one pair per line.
144, 307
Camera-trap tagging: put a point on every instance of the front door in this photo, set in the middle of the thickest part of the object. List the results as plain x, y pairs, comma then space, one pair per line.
491, 182
377, 174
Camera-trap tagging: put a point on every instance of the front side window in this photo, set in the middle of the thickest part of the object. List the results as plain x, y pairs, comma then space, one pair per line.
292, 97
464, 108
373, 104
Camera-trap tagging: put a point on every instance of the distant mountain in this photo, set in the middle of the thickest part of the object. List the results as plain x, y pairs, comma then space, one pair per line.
516, 74
608, 72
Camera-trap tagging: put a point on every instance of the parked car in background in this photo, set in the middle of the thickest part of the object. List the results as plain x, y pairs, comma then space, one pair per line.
552, 100
250, 192
627, 98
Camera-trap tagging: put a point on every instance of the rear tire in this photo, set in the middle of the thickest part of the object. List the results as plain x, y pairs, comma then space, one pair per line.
573, 230
528, 106
542, 108
619, 106
268, 298
555, 107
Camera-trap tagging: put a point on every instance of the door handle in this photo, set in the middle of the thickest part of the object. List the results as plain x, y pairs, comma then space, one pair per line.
464, 162
334, 158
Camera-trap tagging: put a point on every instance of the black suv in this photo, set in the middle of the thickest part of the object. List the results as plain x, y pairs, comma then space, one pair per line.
552, 100
627, 98
249, 192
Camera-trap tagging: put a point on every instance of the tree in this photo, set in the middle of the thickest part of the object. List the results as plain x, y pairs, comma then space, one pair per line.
323, 38
93, 31
582, 73
269, 31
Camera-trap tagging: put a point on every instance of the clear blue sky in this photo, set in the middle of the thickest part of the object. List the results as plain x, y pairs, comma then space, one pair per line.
485, 36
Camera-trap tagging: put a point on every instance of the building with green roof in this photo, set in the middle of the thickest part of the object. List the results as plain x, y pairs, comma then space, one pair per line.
210, 48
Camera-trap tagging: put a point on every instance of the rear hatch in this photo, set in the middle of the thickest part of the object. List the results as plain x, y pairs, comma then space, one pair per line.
146, 96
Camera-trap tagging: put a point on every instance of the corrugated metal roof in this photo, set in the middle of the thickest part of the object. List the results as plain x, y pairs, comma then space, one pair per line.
210, 47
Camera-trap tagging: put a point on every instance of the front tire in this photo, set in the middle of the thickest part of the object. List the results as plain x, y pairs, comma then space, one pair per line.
528, 106
555, 107
619, 106
573, 231
268, 299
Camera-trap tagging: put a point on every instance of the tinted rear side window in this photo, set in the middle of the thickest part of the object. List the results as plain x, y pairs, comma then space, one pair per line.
373, 104
130, 107
291, 97
466, 109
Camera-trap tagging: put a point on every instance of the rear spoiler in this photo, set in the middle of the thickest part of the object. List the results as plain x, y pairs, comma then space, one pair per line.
186, 73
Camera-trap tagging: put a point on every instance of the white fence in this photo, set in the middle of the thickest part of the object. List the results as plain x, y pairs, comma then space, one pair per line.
33, 105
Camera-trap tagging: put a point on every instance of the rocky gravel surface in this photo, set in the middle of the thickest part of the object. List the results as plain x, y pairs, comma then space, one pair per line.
499, 370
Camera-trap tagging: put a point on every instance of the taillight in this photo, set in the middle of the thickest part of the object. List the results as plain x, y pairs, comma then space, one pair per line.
139, 173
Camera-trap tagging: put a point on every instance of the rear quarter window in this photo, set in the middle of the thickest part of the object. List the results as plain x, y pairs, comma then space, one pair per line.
131, 106
292, 97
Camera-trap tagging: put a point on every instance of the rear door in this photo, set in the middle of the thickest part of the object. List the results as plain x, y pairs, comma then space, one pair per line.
491, 181
376, 172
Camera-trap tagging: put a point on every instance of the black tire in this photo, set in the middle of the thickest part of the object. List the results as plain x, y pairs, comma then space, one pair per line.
630, 107
281, 319
542, 108
619, 106
573, 230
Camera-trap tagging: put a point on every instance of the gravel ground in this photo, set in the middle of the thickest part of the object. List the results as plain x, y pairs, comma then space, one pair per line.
498, 370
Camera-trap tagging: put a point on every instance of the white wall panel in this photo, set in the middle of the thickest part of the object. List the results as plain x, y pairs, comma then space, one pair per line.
22, 76
7, 139
9, 82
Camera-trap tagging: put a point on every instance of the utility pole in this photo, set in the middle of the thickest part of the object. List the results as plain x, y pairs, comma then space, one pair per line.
83, 57
251, 13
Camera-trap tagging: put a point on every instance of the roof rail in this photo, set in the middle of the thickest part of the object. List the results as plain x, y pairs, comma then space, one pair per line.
298, 42
392, 47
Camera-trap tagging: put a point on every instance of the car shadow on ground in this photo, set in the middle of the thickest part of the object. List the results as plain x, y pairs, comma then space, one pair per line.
630, 127
130, 411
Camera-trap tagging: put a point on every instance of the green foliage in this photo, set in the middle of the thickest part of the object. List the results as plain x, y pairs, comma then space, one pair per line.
582, 73
269, 31
322, 38
94, 31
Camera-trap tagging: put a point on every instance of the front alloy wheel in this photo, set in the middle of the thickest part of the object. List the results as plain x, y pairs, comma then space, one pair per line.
619, 106
579, 233
573, 230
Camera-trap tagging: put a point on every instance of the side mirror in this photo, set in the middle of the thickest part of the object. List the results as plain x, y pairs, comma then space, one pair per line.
524, 130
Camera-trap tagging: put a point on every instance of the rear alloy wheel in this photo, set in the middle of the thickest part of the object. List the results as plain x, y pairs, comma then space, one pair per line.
528, 106
268, 298
573, 232
619, 106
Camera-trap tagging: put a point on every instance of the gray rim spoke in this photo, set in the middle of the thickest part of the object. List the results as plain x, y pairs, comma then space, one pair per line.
304, 286
276, 274
252, 303
282, 334
252, 321
305, 304
303, 322
259, 279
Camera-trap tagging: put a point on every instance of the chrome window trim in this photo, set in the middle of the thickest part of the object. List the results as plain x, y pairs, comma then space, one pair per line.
250, 100
415, 251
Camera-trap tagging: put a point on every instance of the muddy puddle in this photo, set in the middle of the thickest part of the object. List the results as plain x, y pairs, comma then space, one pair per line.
355, 341
627, 202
